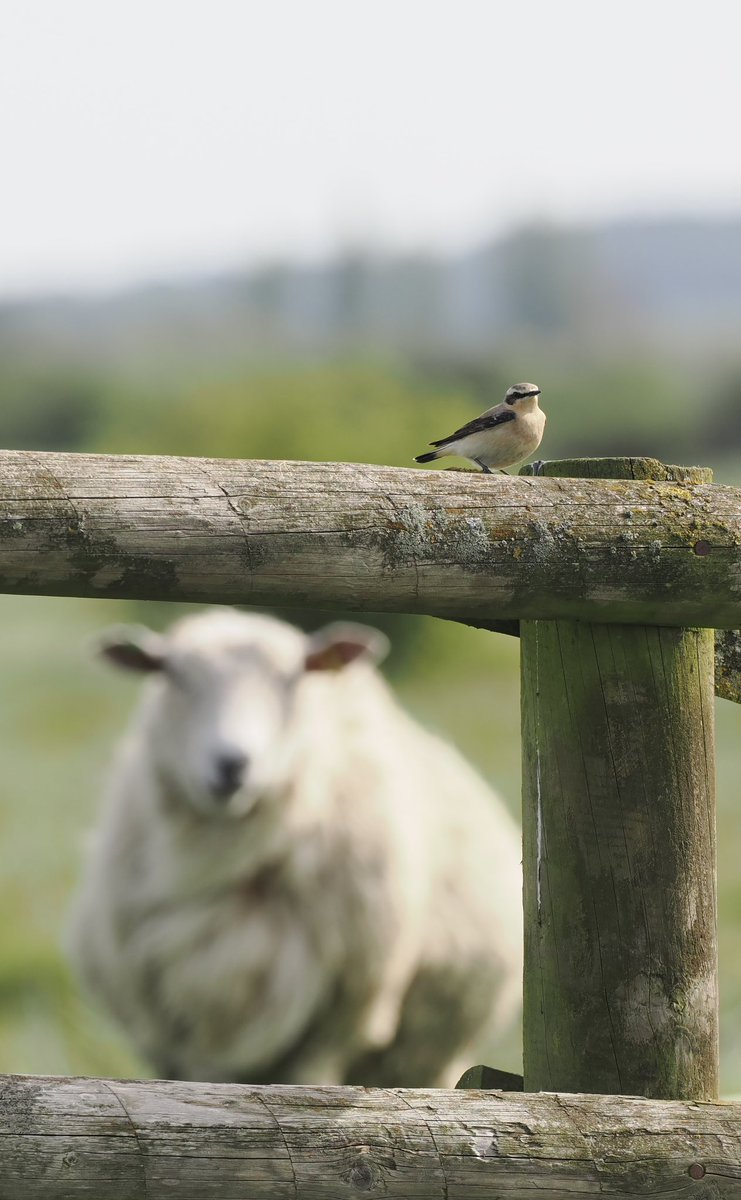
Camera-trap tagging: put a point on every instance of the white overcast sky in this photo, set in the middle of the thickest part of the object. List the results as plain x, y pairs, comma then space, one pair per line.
142, 138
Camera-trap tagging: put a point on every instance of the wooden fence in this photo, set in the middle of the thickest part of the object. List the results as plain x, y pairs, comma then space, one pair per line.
614, 582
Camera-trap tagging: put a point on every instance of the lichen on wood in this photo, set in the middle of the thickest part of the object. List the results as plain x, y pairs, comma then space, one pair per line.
363, 537
728, 664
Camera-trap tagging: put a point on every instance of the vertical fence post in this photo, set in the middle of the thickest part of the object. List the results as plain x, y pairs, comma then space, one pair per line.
619, 848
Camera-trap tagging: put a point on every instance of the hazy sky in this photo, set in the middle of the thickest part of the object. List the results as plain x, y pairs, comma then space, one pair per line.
144, 137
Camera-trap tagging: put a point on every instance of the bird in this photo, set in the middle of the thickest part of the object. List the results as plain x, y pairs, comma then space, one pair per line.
501, 436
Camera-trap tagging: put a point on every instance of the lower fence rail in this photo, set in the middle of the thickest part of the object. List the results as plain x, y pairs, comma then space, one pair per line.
138, 1140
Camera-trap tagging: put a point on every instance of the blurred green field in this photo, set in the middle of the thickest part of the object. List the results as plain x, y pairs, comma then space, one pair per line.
60, 711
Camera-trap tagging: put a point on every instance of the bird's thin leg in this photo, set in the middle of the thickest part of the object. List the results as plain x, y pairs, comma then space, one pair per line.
538, 466
483, 466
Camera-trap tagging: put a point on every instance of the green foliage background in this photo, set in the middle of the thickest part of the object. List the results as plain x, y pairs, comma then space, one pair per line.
60, 712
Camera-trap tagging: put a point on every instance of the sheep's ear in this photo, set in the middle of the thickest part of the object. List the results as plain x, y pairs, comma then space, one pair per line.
332, 648
133, 647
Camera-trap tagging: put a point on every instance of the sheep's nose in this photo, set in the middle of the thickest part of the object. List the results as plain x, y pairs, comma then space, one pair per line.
230, 769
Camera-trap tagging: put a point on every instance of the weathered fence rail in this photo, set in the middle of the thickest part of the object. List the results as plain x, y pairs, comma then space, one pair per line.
329, 535
67, 1138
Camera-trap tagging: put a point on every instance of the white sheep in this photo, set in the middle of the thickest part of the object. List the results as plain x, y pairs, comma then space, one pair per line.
293, 881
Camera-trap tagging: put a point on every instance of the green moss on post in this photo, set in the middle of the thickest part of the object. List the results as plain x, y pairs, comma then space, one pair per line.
619, 851
620, 468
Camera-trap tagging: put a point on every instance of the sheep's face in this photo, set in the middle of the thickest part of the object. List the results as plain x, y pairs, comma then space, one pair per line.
223, 726
220, 709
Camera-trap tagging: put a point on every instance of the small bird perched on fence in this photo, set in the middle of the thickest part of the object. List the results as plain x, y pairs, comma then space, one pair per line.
501, 436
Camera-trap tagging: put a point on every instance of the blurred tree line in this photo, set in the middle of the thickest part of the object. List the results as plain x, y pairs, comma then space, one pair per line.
371, 409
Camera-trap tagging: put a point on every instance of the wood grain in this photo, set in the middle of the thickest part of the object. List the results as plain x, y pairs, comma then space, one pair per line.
370, 538
64, 1139
621, 991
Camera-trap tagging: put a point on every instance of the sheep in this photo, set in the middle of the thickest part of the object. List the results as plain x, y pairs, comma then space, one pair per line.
293, 881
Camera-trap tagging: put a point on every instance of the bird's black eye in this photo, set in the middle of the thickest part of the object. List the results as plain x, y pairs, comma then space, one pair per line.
510, 399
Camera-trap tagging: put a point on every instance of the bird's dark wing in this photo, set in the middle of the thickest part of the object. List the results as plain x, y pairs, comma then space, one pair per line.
486, 421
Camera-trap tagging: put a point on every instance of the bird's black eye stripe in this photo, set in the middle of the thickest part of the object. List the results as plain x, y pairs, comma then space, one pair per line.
523, 395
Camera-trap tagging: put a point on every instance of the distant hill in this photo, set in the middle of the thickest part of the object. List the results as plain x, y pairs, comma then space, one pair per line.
672, 282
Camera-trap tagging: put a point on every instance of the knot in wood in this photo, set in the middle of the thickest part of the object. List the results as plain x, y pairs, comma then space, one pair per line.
362, 1175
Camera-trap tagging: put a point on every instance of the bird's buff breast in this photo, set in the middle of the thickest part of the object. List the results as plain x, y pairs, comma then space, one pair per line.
506, 444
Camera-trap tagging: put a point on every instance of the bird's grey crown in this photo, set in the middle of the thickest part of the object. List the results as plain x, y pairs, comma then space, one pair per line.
518, 390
